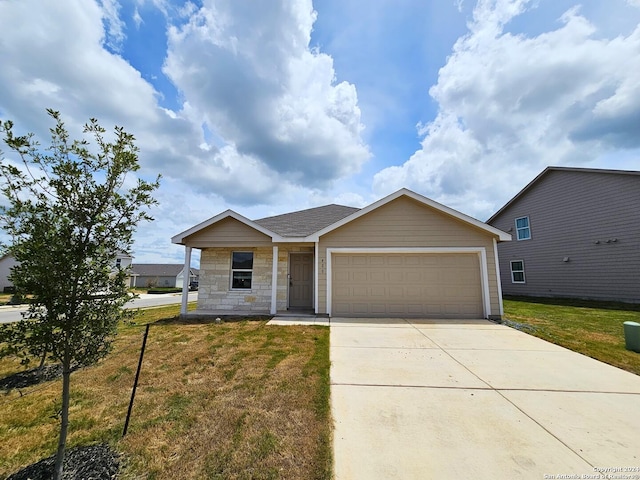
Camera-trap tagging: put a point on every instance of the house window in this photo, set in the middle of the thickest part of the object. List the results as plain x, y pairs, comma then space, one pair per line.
241, 270
523, 232
517, 271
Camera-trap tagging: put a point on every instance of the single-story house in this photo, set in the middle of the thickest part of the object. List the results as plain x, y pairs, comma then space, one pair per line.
577, 235
7, 262
170, 275
402, 256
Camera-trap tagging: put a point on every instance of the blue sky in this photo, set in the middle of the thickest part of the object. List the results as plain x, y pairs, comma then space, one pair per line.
269, 107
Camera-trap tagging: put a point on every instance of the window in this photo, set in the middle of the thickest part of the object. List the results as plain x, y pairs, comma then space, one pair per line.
517, 271
523, 232
241, 270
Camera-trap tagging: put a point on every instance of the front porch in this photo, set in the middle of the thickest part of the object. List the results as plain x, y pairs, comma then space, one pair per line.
280, 280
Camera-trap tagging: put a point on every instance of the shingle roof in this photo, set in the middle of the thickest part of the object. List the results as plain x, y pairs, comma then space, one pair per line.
158, 269
305, 222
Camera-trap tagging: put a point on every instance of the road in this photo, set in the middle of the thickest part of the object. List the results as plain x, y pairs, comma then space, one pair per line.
12, 313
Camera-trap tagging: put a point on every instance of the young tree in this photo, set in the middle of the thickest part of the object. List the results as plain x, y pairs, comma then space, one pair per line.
69, 212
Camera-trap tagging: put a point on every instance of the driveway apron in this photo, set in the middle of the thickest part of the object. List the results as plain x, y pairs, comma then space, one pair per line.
421, 399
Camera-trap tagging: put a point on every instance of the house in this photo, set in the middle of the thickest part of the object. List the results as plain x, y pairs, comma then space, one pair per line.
402, 256
145, 275
576, 235
8, 261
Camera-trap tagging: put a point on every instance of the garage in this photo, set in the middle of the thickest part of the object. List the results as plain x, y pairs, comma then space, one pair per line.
429, 285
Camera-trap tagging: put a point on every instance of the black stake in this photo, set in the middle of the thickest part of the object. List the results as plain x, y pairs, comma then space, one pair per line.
135, 382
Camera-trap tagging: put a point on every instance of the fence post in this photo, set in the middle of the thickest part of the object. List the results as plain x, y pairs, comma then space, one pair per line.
135, 382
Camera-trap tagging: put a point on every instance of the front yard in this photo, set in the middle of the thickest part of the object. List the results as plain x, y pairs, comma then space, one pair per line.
232, 400
594, 329
238, 400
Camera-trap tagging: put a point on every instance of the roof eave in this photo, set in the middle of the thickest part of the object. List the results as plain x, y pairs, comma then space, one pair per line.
502, 236
179, 239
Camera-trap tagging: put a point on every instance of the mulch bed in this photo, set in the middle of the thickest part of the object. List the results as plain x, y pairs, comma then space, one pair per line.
31, 377
95, 462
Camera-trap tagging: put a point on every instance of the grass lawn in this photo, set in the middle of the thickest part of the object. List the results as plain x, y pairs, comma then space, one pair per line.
235, 400
591, 328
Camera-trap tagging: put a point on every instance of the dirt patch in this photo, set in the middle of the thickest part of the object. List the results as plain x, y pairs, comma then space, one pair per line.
96, 462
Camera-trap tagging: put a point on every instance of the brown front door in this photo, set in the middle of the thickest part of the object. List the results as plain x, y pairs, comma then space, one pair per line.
301, 280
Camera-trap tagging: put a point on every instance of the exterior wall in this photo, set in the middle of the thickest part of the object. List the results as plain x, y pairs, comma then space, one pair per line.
407, 223
568, 213
214, 291
144, 281
6, 263
228, 232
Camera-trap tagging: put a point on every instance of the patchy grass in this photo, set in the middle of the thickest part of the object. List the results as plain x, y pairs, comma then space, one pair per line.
591, 328
237, 400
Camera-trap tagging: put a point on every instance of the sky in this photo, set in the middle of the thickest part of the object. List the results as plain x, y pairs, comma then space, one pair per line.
267, 107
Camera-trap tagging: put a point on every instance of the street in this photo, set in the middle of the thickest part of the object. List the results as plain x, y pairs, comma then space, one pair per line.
11, 313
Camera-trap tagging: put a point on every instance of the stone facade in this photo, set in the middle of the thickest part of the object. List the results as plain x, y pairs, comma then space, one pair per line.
214, 291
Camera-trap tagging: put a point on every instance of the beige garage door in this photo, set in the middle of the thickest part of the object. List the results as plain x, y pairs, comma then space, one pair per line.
413, 285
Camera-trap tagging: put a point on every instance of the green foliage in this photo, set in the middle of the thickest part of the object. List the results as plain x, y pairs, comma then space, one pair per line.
69, 215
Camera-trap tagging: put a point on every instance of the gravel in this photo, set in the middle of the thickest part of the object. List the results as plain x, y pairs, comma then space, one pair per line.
95, 462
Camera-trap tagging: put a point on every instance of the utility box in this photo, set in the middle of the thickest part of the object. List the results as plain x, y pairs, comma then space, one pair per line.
632, 336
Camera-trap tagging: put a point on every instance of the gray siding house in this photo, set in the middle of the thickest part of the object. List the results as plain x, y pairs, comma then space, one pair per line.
576, 234
144, 275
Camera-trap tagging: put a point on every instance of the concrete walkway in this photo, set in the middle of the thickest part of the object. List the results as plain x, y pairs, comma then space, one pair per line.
472, 399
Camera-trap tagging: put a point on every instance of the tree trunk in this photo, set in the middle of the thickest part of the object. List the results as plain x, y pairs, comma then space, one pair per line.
64, 424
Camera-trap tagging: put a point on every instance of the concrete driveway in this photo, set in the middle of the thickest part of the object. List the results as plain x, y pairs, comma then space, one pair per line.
425, 399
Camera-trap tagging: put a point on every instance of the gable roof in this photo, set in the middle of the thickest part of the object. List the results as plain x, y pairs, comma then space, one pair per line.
309, 225
306, 222
159, 269
558, 169
502, 236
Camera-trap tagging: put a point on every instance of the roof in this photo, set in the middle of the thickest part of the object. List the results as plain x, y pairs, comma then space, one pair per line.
306, 222
559, 169
309, 225
158, 269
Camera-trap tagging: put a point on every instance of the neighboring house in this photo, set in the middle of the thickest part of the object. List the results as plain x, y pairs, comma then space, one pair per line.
576, 234
123, 260
145, 275
7, 262
403, 256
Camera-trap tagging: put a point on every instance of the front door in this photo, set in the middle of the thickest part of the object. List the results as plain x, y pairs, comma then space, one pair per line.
301, 280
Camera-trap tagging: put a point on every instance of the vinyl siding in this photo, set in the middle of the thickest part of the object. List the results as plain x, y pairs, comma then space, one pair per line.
569, 211
228, 232
407, 223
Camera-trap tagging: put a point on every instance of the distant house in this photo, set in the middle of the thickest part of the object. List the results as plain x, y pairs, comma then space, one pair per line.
402, 256
145, 275
576, 234
7, 262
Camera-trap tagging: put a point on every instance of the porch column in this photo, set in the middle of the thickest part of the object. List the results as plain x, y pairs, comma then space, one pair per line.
316, 276
185, 280
274, 282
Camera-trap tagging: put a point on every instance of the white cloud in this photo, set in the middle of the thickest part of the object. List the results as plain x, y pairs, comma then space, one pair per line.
248, 70
509, 105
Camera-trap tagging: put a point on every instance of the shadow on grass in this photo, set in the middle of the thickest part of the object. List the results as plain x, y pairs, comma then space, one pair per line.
208, 319
577, 302
31, 377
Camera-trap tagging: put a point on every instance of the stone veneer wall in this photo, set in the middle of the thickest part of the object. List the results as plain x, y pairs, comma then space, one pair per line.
214, 291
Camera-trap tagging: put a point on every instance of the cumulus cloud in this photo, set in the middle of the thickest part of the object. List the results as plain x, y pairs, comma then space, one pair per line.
249, 72
511, 104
